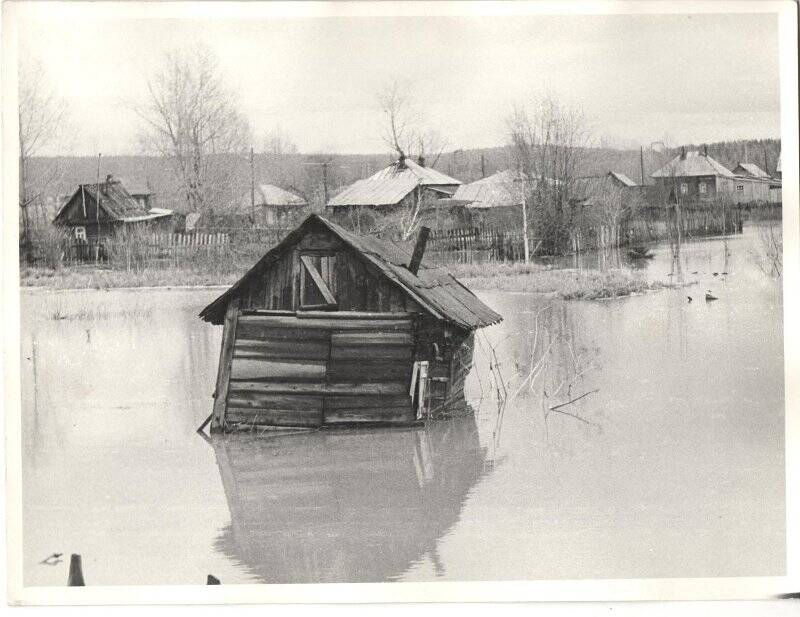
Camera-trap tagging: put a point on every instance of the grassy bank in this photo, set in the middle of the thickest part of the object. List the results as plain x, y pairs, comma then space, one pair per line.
568, 284
101, 278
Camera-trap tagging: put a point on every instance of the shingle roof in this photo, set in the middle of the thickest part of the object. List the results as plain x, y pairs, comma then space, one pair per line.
693, 164
433, 288
751, 169
504, 188
272, 195
390, 185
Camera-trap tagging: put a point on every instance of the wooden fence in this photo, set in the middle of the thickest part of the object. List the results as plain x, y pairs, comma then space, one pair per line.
478, 244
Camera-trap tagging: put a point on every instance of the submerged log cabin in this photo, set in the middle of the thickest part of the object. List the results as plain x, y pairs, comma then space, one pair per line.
333, 328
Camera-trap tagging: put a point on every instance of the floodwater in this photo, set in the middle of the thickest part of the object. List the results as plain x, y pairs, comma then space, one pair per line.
638, 437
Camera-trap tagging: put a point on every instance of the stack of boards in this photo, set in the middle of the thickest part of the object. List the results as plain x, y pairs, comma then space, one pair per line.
290, 370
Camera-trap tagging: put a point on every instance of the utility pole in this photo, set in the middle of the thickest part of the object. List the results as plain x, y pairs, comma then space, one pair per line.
641, 162
483, 165
325, 182
252, 189
97, 212
525, 245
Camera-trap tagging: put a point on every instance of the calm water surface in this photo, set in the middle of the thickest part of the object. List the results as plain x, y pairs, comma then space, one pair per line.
670, 464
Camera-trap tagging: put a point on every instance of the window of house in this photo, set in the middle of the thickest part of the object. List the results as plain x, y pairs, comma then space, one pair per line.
684, 189
703, 188
318, 281
740, 187
80, 234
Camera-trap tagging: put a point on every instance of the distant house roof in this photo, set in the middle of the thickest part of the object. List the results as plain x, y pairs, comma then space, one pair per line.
750, 169
502, 189
622, 178
271, 195
391, 184
692, 164
433, 288
116, 202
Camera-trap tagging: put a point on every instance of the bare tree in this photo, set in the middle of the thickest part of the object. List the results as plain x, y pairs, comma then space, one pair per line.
547, 140
612, 203
278, 141
190, 119
401, 118
41, 114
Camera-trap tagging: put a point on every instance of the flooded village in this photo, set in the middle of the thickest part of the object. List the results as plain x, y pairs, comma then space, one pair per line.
544, 355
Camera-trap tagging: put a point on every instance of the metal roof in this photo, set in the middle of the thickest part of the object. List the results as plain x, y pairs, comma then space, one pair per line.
692, 164
433, 288
272, 195
390, 185
505, 188
751, 169
622, 178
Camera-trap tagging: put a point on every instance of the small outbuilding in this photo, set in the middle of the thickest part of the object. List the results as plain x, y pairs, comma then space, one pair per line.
333, 328
276, 205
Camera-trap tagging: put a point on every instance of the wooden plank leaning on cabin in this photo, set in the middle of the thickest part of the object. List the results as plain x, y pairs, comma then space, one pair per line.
225, 360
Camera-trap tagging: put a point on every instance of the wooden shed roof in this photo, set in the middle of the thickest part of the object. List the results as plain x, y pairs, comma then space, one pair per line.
433, 288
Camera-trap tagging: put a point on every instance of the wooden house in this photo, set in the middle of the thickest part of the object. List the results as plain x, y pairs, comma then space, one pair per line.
403, 184
346, 506
334, 328
96, 211
697, 177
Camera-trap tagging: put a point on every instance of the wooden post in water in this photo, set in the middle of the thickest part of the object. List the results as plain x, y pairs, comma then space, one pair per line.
75, 577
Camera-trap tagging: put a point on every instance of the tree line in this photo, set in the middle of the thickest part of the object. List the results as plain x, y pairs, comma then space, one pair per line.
197, 145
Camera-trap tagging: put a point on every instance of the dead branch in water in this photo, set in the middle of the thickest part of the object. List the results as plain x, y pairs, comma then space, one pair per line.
557, 407
577, 417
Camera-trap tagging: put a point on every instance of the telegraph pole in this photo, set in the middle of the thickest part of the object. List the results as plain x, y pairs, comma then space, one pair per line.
252, 189
641, 162
325, 181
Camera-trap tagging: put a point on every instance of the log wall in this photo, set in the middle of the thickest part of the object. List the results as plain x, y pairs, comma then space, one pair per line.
298, 371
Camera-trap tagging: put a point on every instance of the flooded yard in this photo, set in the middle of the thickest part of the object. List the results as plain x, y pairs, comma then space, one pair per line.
636, 437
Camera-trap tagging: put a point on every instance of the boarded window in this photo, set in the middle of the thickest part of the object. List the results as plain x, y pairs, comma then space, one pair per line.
703, 188
684, 189
80, 234
325, 266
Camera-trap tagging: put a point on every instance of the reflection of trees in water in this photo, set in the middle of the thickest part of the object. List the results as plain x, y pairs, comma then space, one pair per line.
544, 369
345, 506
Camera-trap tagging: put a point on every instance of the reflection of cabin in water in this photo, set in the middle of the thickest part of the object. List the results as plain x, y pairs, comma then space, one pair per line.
342, 506
334, 328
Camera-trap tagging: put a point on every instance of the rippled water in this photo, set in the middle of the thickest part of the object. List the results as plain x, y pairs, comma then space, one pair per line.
670, 465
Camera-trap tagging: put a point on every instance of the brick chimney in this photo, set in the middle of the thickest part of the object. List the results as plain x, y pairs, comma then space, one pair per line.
683, 153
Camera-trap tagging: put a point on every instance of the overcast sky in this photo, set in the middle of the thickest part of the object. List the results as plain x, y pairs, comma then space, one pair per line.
638, 78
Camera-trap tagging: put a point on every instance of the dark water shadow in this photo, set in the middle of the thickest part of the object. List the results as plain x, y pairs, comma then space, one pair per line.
345, 506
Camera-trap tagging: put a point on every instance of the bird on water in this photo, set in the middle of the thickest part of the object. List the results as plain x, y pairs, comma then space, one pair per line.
690, 298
